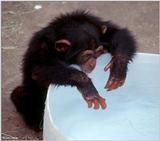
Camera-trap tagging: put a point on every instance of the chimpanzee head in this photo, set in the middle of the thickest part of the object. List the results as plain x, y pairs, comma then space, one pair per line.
80, 44
73, 40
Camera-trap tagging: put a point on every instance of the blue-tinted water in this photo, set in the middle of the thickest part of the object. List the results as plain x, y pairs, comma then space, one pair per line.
133, 111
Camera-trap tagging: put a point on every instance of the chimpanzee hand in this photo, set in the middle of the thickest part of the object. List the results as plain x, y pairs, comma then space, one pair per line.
92, 97
118, 68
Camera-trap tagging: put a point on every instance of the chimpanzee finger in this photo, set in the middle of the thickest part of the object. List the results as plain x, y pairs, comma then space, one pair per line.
96, 104
121, 82
109, 82
117, 83
108, 66
102, 102
89, 102
114, 85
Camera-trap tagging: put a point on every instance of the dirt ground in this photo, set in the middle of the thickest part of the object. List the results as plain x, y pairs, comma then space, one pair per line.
20, 20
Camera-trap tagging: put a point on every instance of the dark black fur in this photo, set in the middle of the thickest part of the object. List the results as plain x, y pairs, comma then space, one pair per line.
43, 65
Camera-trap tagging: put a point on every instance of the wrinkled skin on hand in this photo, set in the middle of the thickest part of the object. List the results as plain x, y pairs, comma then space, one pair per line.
92, 97
88, 66
118, 68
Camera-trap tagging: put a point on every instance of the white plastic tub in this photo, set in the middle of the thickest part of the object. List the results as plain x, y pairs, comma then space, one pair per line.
132, 113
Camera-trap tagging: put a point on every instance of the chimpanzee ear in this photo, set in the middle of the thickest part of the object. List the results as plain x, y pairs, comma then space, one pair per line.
62, 45
104, 29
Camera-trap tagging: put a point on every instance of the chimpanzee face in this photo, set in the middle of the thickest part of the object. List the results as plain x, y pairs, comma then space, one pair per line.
87, 59
74, 41
82, 45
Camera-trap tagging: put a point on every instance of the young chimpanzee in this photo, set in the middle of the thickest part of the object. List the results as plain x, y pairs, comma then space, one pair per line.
75, 38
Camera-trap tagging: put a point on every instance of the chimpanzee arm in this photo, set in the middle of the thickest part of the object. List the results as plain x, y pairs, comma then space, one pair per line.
59, 74
122, 47
64, 75
46, 68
